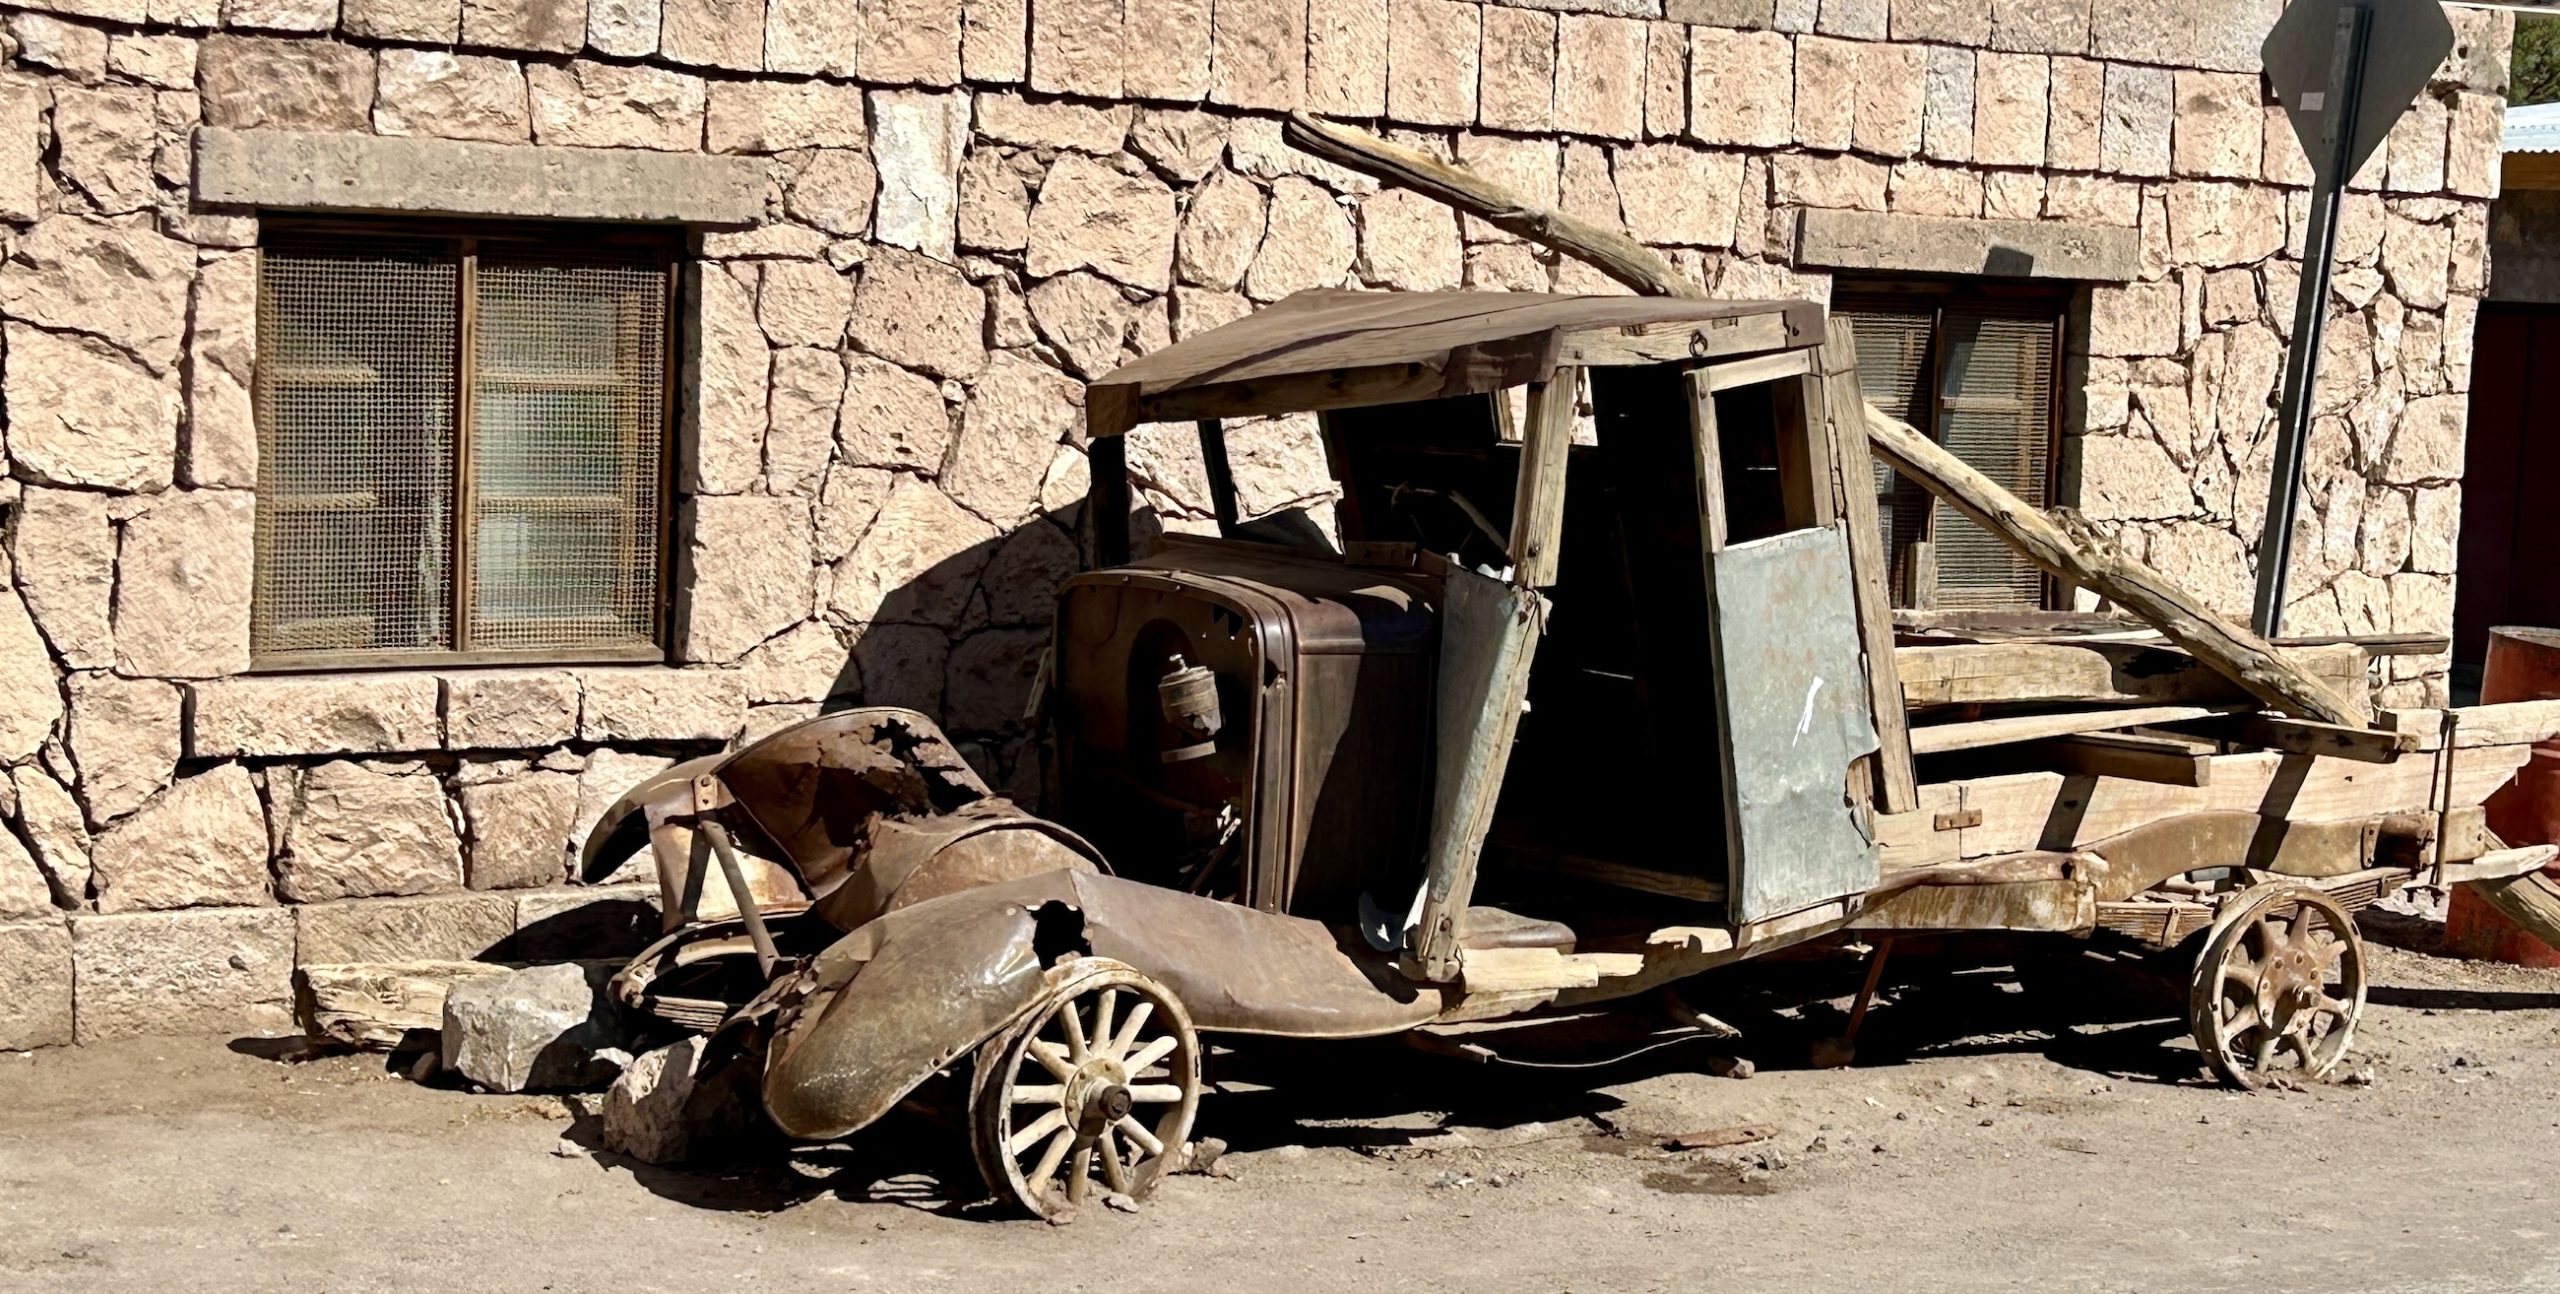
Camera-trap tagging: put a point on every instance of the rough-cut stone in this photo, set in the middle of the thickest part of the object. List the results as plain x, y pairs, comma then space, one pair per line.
1089, 216
124, 739
183, 972
802, 303
729, 414
56, 834
607, 775
749, 560
1666, 79
1409, 242
2076, 114
804, 663
35, 985
1053, 123
917, 42
466, 177
534, 26
2474, 148
1920, 189
624, 28
2224, 37
584, 921
2133, 320
1946, 117
610, 105
519, 827
2426, 445
916, 143
1601, 80
995, 204
652, 703
773, 116
103, 140
1022, 581
545, 1028
433, 22
833, 190
1086, 317
808, 383
1945, 22
23, 895
1182, 144
1259, 53
1433, 53
2417, 257
431, 92
811, 37
2215, 224
1673, 194
1834, 181
916, 563
712, 33
183, 581
1307, 242
1826, 89
1742, 89
1516, 84
65, 553
2010, 94
367, 830
314, 714
891, 418
74, 49
2219, 125
1017, 414
1076, 48
201, 843
1220, 231
1166, 55
921, 314
23, 182
81, 414
30, 701
288, 84
1347, 58
2125, 478
1892, 99
220, 447
667, 1109
2137, 109
990, 676
510, 709
123, 283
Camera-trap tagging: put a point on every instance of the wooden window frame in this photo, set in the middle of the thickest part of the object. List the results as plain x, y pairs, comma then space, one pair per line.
673, 250
1942, 295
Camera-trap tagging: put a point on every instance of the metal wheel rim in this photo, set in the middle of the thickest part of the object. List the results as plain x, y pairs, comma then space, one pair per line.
2279, 988
1045, 1123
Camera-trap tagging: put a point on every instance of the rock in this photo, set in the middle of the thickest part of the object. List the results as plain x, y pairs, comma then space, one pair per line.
104, 140
1183, 144
1221, 231
891, 418
183, 583
1433, 57
713, 33
510, 709
315, 714
56, 834
221, 444
917, 562
919, 313
800, 664
750, 559
1017, 414
653, 703
846, 506
667, 1108
431, 92
2010, 94
810, 37
808, 384
519, 827
23, 181
66, 568
201, 843
30, 699
1089, 216
539, 1029
1600, 76
250, 82
2134, 134
23, 895
76, 50
434, 22
432, 927
802, 303
918, 41
775, 116
222, 970
1409, 242
2131, 477
1307, 242
917, 141
35, 985
1086, 317
834, 189
2215, 224
1749, 77
380, 1006
1516, 83
610, 105
1677, 195
361, 830
730, 414
995, 204
81, 414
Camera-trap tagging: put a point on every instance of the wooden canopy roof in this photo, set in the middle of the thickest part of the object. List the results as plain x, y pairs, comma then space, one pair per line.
1331, 349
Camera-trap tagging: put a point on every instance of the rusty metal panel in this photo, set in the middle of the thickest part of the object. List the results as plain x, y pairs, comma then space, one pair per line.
1794, 703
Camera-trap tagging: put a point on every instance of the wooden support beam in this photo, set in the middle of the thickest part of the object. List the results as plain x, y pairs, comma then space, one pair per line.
2169, 761
1937, 739
2300, 737
1537, 531
2531, 901
2084, 560
1853, 479
2088, 673
2504, 724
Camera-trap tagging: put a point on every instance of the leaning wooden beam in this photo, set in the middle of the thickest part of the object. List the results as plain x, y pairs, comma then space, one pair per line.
1941, 738
2181, 616
2531, 901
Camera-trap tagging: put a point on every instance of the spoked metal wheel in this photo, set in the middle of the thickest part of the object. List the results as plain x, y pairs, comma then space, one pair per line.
1099, 1081
2279, 986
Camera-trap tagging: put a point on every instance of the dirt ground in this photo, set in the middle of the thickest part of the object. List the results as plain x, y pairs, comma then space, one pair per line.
1976, 1145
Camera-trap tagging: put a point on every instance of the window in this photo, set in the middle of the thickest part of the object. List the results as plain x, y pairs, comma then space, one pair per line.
1974, 369
462, 445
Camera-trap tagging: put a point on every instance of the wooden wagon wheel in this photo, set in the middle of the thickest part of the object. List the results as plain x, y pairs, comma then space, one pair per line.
2279, 986
1099, 1080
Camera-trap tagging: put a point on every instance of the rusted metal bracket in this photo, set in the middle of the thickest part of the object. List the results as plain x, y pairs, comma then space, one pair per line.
709, 797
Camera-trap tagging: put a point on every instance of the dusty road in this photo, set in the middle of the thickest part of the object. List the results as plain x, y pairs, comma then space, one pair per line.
1974, 1148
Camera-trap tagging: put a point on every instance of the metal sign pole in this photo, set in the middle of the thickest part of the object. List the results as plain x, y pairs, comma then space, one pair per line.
2310, 314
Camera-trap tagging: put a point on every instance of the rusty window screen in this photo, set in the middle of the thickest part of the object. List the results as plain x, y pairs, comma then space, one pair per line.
463, 447
1976, 372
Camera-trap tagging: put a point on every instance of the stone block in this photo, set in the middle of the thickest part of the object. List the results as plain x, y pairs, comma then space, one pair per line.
1946, 119
35, 985
2134, 320
1221, 231
917, 562
612, 105
1434, 51
903, 665
76, 50
183, 580
1085, 316
519, 829
315, 714
1920, 189
545, 1028
366, 173
2214, 223
1017, 415
510, 709
624, 28
2219, 125
811, 38
807, 384
25, 894
1347, 58
804, 663
1837, 181
802, 303
1742, 89
1826, 92
1516, 83
23, 181
990, 677
1076, 47
2010, 96
917, 42
2039, 26
1673, 194
2076, 116
1601, 79
995, 40
1891, 99
712, 33
435, 927
891, 418
433, 22
103, 142
2417, 145
1747, 14
125, 740
1307, 242
431, 92
1089, 216
1409, 242
668, 1109
220, 970
749, 560
532, 26
586, 921
1258, 59
2134, 135
361, 830
652, 703
730, 361
1666, 79
920, 314
56, 834
2215, 35
65, 554
122, 283
1946, 22
80, 413
917, 141
281, 83
220, 446
775, 116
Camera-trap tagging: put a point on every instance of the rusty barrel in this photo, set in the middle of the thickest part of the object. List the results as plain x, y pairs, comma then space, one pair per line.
2523, 665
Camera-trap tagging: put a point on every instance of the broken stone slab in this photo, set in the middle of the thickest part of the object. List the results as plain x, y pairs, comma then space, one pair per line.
379, 1005
680, 1103
545, 1028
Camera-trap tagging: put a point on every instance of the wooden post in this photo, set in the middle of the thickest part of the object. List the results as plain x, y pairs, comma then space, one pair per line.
1537, 511
1897, 783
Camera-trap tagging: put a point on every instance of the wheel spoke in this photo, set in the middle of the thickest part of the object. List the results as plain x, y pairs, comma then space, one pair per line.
1077, 1049
1080, 1172
1153, 1052
1033, 1131
2327, 1005
2246, 1020
2266, 1049
1040, 1094
2332, 954
1103, 1004
1047, 1054
1155, 1093
1129, 1031
1050, 1157
1113, 1171
2242, 973
1137, 1132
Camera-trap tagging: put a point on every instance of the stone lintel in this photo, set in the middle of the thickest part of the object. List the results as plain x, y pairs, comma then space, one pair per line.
2040, 249
289, 169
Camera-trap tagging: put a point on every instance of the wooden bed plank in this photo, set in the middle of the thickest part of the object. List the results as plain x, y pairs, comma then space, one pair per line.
2503, 724
2088, 673
2170, 761
1938, 739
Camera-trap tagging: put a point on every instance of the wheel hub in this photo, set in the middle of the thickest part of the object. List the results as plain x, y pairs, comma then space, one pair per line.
1098, 1095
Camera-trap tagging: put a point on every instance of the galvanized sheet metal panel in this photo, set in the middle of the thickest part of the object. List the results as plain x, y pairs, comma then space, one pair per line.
1488, 637
1792, 696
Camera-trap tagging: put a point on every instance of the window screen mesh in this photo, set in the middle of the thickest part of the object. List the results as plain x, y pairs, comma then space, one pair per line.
1893, 370
569, 411
401, 514
355, 400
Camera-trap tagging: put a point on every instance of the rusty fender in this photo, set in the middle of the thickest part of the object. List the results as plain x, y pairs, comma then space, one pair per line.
918, 989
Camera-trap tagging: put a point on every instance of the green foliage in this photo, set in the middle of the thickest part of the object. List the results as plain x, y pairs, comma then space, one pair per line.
2534, 69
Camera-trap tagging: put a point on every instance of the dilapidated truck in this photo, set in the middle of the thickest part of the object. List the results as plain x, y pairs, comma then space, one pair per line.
1597, 691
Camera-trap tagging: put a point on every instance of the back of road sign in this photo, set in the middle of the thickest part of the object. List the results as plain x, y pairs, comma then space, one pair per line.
2405, 41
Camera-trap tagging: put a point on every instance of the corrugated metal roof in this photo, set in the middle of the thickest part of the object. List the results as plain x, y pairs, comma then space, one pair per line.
2533, 128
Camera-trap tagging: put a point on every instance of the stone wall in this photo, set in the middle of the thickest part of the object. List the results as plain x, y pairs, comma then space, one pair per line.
968, 206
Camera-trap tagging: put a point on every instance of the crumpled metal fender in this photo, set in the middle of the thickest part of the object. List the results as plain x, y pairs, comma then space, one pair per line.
917, 989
